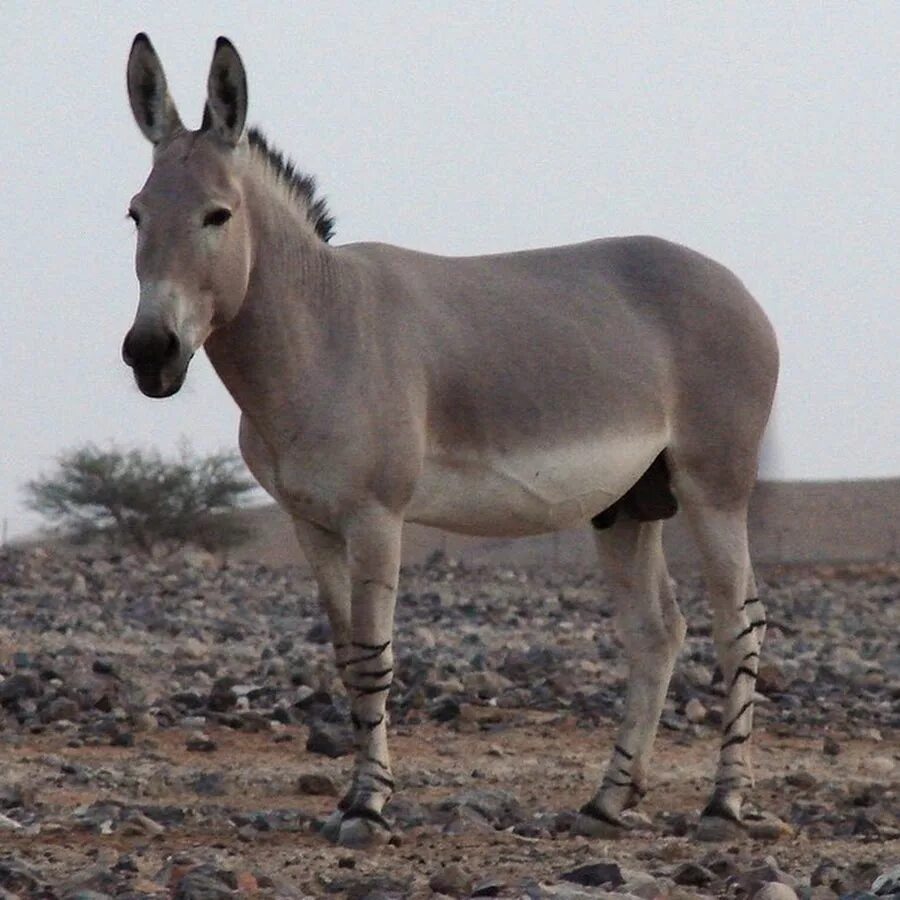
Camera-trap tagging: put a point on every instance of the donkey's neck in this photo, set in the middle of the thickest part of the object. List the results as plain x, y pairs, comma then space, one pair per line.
268, 354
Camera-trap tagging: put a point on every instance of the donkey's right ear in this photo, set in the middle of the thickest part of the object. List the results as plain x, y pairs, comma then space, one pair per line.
153, 108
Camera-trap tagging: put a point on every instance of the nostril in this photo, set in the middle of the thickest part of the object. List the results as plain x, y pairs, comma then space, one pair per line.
150, 349
128, 356
173, 346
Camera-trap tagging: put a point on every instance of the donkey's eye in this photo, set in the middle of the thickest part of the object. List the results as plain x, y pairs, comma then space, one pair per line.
134, 216
217, 217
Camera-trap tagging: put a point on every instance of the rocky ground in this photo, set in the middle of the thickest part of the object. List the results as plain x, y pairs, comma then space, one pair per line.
174, 728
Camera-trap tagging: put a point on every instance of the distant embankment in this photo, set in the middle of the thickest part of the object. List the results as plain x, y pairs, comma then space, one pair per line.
790, 521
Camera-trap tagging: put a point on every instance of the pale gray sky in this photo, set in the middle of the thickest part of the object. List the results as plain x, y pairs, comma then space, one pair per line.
764, 135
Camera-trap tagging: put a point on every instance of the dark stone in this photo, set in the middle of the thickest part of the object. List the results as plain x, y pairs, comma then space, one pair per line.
596, 874
489, 888
221, 696
330, 739
320, 633
317, 784
692, 874
103, 667
208, 784
20, 686
444, 709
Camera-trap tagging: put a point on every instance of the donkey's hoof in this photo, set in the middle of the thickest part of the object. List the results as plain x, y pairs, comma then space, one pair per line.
331, 829
715, 829
594, 821
358, 833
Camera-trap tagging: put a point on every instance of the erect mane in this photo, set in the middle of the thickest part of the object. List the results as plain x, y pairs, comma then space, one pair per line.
300, 187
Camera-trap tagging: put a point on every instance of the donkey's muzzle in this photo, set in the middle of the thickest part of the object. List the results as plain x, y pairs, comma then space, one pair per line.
155, 355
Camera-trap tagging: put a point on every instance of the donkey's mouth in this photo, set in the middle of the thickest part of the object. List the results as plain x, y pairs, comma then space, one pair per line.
158, 384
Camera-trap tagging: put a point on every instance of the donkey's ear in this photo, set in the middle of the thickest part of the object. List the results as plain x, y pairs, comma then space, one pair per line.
153, 108
226, 100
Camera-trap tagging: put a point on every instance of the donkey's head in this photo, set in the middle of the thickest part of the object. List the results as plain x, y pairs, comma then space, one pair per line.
193, 246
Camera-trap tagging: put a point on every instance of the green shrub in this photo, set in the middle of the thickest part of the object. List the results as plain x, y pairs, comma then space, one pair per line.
138, 498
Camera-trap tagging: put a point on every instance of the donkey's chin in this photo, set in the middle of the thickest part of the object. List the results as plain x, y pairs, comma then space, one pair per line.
161, 384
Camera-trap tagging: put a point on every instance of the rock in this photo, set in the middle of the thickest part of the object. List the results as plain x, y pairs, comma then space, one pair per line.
222, 696
802, 779
768, 828
20, 686
452, 881
485, 684
103, 667
136, 823
888, 883
830, 747
500, 808
879, 765
755, 879
317, 784
201, 743
490, 887
692, 874
205, 883
320, 633
694, 711
58, 709
16, 876
596, 874
772, 890
444, 709
329, 739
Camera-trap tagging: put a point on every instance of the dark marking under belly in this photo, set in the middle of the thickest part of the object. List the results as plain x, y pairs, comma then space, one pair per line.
649, 499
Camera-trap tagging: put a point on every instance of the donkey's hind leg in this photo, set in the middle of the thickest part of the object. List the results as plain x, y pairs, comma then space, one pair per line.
739, 621
652, 629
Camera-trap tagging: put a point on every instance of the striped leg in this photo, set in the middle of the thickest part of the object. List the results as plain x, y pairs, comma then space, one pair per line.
739, 621
368, 665
326, 554
651, 628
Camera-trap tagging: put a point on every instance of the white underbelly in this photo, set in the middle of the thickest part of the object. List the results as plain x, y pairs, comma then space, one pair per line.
529, 492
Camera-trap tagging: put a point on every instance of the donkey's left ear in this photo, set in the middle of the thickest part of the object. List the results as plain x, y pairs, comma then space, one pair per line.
226, 101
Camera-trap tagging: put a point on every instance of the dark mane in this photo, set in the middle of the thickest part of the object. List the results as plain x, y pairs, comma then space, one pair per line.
301, 187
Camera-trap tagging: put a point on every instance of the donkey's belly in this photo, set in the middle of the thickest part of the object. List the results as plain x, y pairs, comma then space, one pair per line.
528, 492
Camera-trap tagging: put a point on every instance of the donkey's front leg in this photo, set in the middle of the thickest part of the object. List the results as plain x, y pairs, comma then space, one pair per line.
373, 543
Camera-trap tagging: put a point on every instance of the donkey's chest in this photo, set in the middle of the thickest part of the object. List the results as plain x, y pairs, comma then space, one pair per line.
528, 491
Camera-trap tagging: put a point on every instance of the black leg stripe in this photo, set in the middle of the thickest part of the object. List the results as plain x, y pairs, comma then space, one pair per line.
368, 724
735, 739
379, 674
750, 655
750, 602
742, 710
377, 762
609, 780
625, 753
742, 670
362, 690
756, 623
368, 582
363, 812
378, 647
381, 779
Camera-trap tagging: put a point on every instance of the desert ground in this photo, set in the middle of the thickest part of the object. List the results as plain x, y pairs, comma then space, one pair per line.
173, 727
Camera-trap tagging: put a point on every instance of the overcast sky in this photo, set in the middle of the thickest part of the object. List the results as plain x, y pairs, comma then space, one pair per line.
765, 135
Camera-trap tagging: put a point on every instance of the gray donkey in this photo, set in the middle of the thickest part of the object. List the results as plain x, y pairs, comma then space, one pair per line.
609, 382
